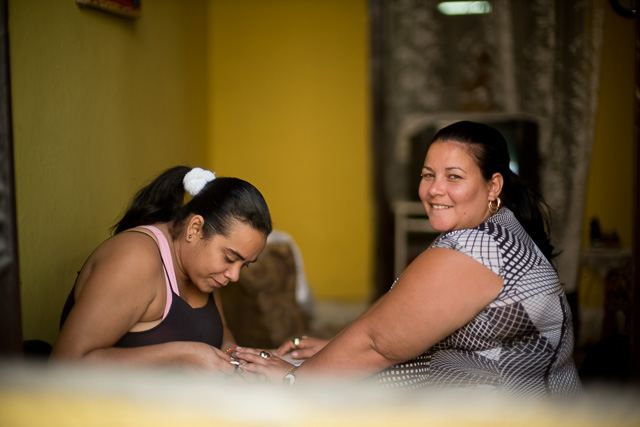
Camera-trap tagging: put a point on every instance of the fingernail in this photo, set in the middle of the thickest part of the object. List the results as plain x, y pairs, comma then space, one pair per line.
294, 354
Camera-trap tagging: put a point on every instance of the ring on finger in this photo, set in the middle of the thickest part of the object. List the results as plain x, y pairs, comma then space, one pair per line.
265, 354
296, 342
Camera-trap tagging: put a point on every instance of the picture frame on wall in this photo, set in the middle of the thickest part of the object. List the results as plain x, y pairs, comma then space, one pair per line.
126, 8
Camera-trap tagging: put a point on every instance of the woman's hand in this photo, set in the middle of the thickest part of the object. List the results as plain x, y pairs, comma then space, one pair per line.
305, 348
263, 363
206, 357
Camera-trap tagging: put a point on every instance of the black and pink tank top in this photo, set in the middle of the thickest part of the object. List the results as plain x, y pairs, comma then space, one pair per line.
180, 321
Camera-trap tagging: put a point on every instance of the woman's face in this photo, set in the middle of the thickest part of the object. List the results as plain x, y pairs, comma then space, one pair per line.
213, 263
452, 189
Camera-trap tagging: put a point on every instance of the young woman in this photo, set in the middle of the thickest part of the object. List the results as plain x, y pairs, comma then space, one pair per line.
481, 307
149, 294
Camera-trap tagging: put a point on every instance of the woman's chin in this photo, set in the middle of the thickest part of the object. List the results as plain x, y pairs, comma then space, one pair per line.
438, 225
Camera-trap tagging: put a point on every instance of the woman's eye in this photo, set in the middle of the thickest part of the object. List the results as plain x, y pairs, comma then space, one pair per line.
454, 176
426, 176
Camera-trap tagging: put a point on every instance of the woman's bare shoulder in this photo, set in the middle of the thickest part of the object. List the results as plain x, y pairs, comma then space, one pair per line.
451, 269
121, 285
125, 257
447, 259
128, 245
452, 278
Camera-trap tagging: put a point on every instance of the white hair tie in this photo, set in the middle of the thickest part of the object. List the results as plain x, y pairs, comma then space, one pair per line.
195, 180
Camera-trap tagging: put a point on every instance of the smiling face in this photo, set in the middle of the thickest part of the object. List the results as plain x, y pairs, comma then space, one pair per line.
452, 189
213, 263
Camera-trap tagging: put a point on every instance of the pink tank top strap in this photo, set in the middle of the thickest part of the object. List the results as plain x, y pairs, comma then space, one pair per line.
165, 252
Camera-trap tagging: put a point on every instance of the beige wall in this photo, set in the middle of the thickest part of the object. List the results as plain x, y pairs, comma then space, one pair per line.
100, 105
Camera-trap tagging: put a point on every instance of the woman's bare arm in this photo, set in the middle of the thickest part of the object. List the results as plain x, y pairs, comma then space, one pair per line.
123, 286
439, 292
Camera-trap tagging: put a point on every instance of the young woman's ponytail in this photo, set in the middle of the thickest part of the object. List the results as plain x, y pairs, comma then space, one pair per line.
220, 201
160, 201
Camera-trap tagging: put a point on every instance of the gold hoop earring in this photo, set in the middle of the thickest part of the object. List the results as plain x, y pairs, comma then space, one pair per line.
494, 208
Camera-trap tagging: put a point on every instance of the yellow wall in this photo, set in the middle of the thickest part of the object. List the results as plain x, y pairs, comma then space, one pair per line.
274, 92
289, 95
100, 105
610, 192
610, 183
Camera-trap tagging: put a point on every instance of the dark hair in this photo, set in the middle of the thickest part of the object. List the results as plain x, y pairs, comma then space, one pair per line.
488, 148
221, 202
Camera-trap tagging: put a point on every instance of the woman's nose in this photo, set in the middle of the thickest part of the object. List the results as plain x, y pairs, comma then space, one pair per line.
435, 188
233, 273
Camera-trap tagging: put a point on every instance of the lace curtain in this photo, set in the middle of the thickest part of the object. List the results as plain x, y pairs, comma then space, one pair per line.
535, 60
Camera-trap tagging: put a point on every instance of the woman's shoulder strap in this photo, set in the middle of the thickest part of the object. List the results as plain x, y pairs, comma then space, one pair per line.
167, 261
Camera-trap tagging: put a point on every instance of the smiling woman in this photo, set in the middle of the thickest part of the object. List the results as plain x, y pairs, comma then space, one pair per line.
481, 307
453, 189
149, 294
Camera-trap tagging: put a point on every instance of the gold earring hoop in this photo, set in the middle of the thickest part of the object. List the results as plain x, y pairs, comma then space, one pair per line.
494, 208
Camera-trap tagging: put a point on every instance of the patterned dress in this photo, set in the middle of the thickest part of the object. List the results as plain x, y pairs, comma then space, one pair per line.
521, 343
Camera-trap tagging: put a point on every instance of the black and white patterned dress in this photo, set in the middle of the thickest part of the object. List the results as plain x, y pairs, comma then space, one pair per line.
521, 343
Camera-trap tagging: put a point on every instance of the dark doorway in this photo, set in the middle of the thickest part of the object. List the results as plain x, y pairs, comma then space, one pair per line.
10, 318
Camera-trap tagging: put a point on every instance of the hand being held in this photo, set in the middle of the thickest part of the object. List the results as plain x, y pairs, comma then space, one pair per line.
305, 348
263, 364
209, 358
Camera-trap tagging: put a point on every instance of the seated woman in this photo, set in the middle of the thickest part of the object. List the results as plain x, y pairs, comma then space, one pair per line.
481, 307
149, 294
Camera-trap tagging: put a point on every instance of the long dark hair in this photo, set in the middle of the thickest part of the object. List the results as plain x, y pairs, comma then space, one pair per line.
221, 202
488, 148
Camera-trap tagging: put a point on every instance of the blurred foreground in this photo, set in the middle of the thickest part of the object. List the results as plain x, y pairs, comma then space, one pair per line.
32, 394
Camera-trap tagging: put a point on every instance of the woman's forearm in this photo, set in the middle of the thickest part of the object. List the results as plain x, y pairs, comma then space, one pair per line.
360, 340
172, 354
353, 352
